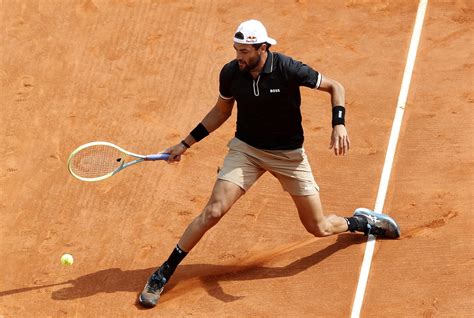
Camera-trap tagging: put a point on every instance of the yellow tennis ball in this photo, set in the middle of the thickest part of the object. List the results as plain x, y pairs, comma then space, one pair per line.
67, 259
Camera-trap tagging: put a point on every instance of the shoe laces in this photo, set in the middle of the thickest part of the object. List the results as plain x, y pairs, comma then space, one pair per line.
374, 230
156, 282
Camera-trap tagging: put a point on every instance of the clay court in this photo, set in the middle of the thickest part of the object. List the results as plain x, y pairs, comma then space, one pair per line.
142, 74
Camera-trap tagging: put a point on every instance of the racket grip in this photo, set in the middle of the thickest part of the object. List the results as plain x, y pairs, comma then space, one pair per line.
158, 156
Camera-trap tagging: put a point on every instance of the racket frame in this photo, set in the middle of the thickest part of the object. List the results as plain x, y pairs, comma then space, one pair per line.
123, 165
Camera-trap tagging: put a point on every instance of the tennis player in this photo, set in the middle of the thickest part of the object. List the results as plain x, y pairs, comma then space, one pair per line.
268, 137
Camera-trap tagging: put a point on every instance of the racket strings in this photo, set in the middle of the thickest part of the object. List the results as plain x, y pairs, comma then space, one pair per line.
96, 161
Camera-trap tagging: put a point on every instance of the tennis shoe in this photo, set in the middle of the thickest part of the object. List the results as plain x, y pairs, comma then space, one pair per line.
150, 295
376, 223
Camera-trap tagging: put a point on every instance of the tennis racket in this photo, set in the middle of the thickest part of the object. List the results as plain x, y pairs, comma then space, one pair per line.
100, 160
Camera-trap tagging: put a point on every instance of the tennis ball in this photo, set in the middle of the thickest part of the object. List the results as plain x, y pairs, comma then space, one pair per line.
67, 259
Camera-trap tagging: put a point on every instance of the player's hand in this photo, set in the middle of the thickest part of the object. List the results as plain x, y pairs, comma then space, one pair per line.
340, 140
175, 152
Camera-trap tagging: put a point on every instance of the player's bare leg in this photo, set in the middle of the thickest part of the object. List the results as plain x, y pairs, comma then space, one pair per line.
363, 220
311, 214
223, 196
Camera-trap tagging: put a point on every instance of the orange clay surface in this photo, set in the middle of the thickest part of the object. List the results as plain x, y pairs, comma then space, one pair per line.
141, 74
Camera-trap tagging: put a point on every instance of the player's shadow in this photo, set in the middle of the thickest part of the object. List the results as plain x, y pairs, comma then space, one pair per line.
189, 276
211, 277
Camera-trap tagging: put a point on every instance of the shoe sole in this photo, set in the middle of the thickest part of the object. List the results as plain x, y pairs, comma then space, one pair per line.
393, 230
145, 304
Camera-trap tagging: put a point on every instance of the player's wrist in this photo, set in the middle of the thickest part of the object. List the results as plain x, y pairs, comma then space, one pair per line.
338, 115
185, 144
199, 132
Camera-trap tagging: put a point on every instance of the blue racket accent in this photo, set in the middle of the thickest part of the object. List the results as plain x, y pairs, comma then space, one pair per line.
158, 156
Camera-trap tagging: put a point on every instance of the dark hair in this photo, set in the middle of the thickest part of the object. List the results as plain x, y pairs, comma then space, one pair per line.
258, 45
239, 35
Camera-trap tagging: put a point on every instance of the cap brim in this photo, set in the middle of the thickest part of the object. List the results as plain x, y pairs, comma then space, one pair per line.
269, 40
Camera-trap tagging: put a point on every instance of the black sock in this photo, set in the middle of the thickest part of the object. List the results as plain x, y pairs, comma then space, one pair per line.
176, 256
354, 224
173, 261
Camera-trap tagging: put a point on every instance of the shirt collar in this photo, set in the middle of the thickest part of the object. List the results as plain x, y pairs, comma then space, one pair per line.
268, 67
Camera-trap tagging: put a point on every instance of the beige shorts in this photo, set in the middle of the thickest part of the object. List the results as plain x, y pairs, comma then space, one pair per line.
244, 164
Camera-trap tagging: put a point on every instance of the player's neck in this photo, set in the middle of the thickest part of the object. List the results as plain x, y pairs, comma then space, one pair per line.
255, 72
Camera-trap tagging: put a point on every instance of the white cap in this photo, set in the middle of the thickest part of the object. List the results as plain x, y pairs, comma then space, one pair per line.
253, 32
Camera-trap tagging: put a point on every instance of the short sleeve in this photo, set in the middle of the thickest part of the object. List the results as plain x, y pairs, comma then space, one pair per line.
302, 74
225, 79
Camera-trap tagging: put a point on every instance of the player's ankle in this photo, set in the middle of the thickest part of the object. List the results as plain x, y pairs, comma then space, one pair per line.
356, 224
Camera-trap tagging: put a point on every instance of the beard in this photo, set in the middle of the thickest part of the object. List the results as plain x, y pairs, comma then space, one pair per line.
247, 67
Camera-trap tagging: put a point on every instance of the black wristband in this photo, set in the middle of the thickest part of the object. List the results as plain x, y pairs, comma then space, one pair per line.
338, 115
199, 132
185, 144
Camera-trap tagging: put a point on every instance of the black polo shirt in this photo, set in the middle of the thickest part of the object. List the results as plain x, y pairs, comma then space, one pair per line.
268, 107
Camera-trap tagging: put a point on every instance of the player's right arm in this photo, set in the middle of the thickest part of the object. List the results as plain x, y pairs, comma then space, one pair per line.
213, 120
216, 116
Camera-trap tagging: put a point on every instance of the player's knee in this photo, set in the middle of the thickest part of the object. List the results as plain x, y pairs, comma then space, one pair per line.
317, 232
212, 214
317, 229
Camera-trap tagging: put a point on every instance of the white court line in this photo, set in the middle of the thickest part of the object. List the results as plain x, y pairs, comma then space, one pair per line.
387, 167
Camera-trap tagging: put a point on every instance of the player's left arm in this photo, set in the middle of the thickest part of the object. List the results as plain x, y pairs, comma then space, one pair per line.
339, 138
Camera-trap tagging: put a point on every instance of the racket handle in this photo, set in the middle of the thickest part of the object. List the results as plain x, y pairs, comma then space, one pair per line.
158, 156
